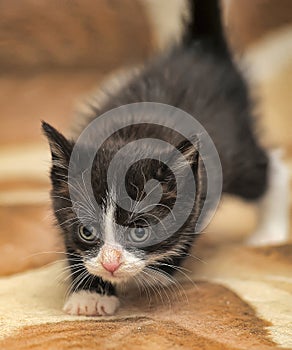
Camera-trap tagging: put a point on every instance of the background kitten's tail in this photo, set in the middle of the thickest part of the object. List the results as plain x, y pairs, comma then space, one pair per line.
205, 26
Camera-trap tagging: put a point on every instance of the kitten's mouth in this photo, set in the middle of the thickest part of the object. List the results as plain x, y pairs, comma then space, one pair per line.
115, 269
115, 276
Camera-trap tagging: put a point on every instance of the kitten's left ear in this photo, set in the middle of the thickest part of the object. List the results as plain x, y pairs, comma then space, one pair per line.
61, 148
190, 151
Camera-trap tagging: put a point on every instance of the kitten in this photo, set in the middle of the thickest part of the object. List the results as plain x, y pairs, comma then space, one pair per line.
113, 245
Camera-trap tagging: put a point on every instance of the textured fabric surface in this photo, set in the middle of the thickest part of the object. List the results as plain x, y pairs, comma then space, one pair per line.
237, 298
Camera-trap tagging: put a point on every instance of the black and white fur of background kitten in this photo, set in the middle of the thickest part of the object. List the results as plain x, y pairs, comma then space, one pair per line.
199, 77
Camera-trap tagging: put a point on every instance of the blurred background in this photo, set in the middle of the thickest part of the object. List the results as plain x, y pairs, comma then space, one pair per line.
55, 53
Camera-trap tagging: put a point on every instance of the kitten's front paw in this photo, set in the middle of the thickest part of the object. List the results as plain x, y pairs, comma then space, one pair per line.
91, 304
107, 305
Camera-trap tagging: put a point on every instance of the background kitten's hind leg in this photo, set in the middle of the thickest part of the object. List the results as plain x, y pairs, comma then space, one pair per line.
273, 226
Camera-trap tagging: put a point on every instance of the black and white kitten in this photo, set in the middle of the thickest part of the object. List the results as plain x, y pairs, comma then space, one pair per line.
199, 77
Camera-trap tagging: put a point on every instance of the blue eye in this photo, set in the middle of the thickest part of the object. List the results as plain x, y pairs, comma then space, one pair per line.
139, 234
87, 234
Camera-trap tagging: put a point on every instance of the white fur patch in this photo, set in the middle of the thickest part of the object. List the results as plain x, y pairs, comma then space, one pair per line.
131, 265
91, 304
273, 225
109, 220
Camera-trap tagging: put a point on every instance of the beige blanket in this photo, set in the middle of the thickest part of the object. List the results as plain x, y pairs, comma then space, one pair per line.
234, 298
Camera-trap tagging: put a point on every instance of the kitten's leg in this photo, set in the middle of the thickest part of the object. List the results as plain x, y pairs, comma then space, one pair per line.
91, 296
273, 227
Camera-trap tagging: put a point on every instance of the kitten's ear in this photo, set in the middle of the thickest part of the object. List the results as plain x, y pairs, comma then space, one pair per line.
189, 149
61, 148
192, 158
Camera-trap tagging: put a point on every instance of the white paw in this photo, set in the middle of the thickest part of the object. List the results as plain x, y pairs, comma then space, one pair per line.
91, 304
108, 305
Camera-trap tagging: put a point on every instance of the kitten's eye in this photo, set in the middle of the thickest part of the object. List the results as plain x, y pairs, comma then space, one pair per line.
87, 234
139, 234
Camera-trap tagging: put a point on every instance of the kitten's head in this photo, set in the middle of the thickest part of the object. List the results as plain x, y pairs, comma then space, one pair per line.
112, 242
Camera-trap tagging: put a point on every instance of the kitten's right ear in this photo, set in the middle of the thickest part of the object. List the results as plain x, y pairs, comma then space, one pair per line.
60, 147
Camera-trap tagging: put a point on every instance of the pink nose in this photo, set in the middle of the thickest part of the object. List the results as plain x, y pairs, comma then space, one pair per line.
110, 258
111, 266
